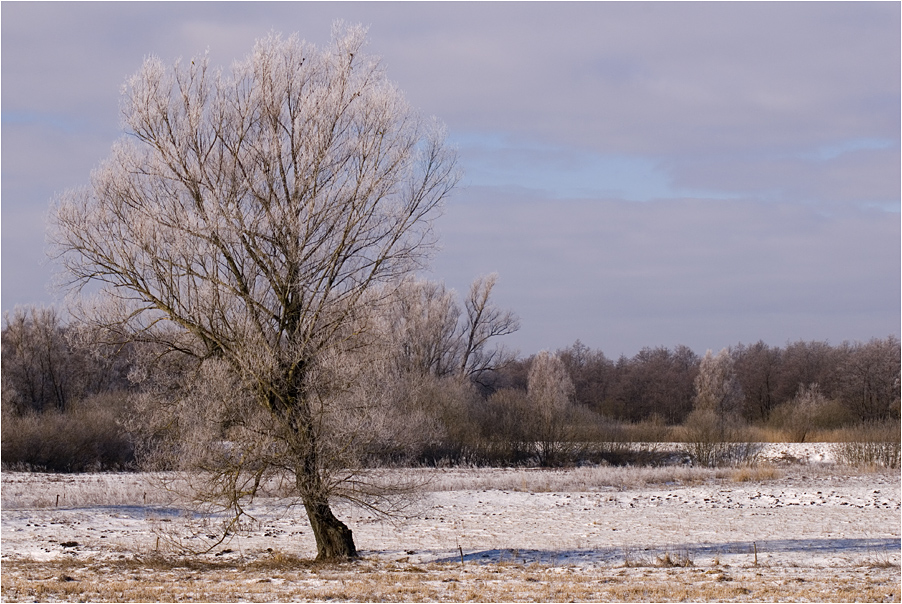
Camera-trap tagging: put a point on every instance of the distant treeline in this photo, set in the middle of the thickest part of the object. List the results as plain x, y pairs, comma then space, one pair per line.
67, 406
860, 379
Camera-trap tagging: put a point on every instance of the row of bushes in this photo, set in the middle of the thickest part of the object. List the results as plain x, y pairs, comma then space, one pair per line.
91, 438
450, 423
868, 444
88, 437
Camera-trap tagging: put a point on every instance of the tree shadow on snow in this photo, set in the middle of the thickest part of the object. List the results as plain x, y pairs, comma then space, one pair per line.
817, 547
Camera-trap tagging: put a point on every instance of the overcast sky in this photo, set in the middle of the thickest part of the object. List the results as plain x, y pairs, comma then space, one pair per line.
638, 174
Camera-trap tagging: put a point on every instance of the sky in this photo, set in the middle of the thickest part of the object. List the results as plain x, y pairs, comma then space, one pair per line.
638, 174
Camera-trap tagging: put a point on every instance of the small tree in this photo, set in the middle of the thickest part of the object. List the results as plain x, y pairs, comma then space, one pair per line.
438, 357
801, 415
712, 425
242, 224
550, 392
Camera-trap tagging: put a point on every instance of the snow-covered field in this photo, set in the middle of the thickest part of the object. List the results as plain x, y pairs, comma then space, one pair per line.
809, 517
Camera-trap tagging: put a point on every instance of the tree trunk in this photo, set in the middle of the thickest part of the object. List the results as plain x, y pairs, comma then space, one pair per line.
333, 538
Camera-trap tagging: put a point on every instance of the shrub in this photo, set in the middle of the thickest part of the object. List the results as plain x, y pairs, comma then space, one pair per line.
712, 440
870, 443
809, 412
652, 430
86, 438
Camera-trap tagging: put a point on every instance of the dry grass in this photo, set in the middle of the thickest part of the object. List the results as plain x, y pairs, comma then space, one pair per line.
291, 579
669, 559
584, 479
27, 490
756, 473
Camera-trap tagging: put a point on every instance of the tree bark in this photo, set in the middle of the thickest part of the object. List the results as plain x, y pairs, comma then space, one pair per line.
334, 540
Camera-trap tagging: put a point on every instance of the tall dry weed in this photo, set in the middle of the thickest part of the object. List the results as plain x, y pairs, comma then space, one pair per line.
870, 444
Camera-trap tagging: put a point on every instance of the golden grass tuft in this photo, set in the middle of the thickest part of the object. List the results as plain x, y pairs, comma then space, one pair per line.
675, 559
755, 473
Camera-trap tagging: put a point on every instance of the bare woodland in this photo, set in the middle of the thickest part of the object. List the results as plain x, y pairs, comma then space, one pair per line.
246, 309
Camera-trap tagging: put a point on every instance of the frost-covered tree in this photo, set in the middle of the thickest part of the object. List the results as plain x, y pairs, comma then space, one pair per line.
550, 394
712, 423
43, 369
424, 334
420, 326
431, 335
716, 388
243, 222
802, 413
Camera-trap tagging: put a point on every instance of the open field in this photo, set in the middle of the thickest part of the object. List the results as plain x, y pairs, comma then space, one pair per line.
802, 531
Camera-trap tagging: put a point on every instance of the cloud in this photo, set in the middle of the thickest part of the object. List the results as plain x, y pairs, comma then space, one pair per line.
706, 273
865, 176
42, 156
670, 78
638, 173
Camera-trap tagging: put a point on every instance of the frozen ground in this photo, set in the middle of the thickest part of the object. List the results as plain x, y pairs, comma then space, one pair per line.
810, 514
813, 514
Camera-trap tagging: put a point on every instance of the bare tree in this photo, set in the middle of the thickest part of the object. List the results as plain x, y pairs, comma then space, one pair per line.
484, 321
244, 222
656, 380
803, 363
39, 371
44, 367
592, 374
868, 375
432, 335
758, 371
